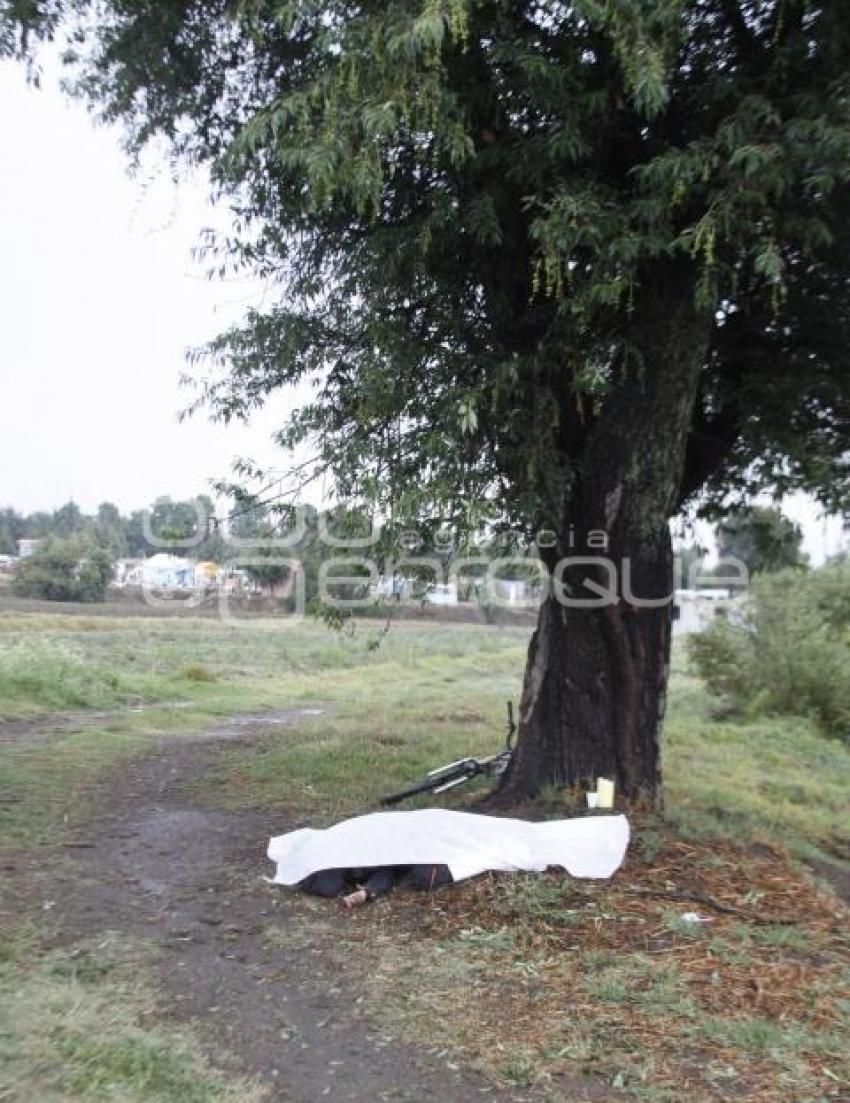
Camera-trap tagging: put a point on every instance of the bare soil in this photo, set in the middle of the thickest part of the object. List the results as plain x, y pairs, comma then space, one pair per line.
154, 863
131, 602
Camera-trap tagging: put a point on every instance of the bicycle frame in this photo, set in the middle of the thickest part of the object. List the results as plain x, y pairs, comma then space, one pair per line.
443, 778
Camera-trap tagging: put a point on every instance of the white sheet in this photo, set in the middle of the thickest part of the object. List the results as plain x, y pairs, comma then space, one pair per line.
590, 846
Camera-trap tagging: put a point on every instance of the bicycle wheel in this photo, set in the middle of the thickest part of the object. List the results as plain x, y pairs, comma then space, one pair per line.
427, 785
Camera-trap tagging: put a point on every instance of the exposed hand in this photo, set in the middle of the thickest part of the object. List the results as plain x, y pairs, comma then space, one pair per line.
355, 899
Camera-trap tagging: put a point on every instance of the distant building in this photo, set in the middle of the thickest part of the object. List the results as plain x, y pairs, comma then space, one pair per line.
127, 572
442, 595
27, 547
515, 591
392, 586
694, 610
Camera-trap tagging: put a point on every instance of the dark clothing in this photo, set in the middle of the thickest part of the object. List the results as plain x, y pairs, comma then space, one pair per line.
377, 881
428, 878
335, 882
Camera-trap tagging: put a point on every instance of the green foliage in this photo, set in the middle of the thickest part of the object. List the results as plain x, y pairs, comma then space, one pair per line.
287, 541
109, 529
762, 538
70, 569
11, 531
197, 672
472, 212
789, 652
67, 520
182, 526
690, 558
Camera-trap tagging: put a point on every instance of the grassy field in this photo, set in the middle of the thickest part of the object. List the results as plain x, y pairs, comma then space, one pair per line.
424, 694
527, 978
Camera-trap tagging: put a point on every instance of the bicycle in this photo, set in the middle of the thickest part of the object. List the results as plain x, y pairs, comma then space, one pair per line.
443, 778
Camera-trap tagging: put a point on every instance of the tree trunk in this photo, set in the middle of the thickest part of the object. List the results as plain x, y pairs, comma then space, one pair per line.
595, 681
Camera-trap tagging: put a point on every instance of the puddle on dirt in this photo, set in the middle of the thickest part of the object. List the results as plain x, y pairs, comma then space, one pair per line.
36, 728
287, 716
161, 705
236, 725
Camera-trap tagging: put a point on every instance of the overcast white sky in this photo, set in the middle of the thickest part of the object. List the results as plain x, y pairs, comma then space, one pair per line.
99, 299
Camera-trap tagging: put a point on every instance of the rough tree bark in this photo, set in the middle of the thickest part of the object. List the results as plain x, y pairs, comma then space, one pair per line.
594, 692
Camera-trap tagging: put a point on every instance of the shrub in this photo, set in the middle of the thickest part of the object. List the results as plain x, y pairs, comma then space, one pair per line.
75, 569
54, 673
196, 672
789, 652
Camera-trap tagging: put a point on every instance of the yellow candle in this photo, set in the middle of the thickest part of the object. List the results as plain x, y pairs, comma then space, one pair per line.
605, 791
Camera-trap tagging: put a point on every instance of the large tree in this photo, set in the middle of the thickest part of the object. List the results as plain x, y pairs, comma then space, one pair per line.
762, 537
566, 264
72, 568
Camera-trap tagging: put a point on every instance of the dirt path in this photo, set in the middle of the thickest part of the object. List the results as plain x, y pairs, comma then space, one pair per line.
155, 863
35, 729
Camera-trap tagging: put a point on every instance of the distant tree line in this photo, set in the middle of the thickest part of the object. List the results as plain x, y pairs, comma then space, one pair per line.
77, 552
762, 537
165, 525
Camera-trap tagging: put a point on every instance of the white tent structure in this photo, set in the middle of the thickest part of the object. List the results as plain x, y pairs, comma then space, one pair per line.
162, 572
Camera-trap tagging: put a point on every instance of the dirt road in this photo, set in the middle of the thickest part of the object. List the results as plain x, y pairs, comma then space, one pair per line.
247, 961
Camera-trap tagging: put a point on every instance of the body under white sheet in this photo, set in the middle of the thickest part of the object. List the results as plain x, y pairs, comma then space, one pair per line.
468, 843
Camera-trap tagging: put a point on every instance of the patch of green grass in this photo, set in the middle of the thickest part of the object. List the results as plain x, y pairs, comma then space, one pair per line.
75, 1025
740, 943
535, 899
49, 662
684, 928
55, 673
757, 1037
196, 672
500, 939
776, 778
735, 946
152, 1068
785, 938
607, 987
386, 724
49, 776
653, 986
521, 1070
582, 1044
44, 782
